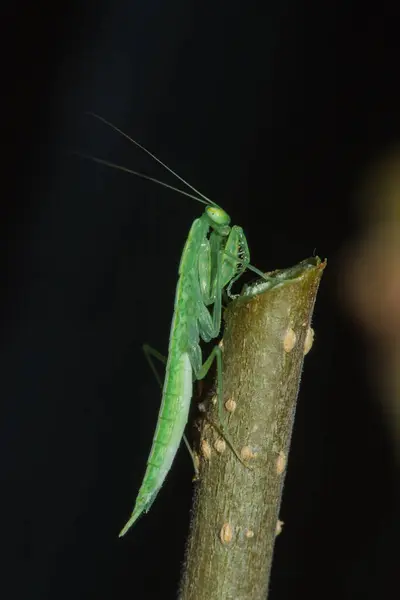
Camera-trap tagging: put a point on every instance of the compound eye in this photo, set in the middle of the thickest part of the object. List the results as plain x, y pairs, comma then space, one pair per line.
218, 215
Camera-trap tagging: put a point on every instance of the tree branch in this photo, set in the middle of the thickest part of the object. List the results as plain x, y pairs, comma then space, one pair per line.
236, 510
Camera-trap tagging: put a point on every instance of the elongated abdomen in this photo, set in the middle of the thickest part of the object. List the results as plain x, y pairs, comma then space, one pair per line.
171, 424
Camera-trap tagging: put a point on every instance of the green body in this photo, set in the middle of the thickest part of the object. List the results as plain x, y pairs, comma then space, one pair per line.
214, 256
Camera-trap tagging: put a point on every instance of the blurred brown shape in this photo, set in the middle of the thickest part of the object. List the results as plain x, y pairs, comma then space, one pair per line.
372, 285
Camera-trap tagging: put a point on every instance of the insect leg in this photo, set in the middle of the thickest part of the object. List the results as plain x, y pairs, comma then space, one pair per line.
216, 353
221, 262
151, 353
215, 271
236, 258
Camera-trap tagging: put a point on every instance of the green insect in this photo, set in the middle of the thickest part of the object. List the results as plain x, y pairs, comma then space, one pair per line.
214, 256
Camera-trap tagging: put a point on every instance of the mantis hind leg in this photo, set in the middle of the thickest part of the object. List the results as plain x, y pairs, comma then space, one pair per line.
151, 353
216, 354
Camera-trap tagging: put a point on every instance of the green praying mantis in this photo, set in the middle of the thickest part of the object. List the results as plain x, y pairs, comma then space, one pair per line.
215, 255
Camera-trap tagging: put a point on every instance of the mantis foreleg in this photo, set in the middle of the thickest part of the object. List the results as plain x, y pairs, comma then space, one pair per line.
218, 267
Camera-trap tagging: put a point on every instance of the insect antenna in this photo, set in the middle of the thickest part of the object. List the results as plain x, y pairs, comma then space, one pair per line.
142, 175
125, 135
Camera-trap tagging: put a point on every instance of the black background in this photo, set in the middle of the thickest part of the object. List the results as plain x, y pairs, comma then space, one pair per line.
271, 109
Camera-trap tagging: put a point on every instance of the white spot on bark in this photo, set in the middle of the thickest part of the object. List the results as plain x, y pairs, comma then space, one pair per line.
220, 445
230, 405
279, 526
226, 534
289, 341
309, 340
281, 463
206, 449
247, 453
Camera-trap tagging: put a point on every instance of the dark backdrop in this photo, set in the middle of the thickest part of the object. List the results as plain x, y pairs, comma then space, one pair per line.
271, 109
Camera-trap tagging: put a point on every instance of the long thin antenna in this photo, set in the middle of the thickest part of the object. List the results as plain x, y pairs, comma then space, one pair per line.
207, 200
142, 175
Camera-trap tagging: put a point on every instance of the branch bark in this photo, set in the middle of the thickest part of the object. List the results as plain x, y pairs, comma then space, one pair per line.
236, 510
